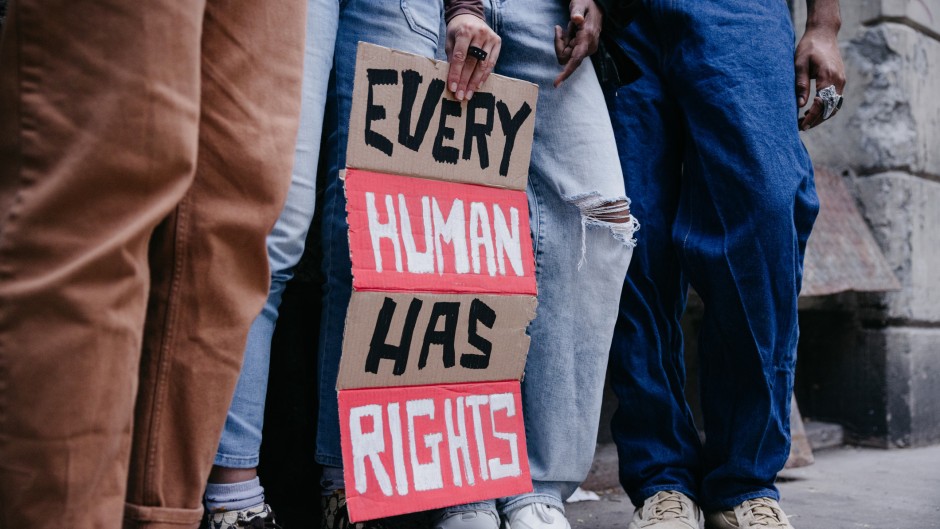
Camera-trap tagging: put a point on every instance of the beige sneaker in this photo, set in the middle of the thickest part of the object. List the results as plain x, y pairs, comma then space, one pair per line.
260, 516
667, 509
759, 513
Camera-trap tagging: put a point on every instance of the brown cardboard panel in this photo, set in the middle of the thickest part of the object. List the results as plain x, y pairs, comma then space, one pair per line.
474, 338
396, 124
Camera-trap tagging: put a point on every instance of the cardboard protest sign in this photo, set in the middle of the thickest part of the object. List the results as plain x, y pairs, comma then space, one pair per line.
443, 288
404, 121
415, 235
396, 339
419, 448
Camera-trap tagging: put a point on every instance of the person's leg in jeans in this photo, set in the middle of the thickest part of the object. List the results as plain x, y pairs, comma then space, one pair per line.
210, 273
737, 221
412, 26
576, 195
233, 483
99, 144
93, 154
582, 232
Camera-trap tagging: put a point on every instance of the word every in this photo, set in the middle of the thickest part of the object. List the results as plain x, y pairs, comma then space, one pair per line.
412, 133
423, 444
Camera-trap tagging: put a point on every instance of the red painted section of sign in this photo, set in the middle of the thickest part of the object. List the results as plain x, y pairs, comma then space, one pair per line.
427, 447
415, 235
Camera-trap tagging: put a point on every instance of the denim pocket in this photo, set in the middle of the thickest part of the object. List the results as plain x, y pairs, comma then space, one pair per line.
424, 17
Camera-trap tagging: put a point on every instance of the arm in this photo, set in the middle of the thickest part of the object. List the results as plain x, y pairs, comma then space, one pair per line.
818, 57
465, 28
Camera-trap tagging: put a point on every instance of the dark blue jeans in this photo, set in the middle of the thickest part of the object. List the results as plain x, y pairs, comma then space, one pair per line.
724, 189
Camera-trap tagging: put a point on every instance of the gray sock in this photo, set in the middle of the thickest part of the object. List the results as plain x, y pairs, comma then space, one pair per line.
223, 497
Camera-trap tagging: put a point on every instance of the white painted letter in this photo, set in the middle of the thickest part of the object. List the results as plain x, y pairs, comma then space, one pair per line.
507, 241
452, 231
457, 442
427, 476
418, 262
379, 231
498, 469
398, 450
368, 446
480, 218
474, 402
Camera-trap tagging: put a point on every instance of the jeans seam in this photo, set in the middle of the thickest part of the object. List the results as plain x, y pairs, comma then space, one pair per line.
427, 33
180, 236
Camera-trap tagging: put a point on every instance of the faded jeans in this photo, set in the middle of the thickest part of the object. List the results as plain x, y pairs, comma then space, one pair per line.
574, 171
240, 445
710, 150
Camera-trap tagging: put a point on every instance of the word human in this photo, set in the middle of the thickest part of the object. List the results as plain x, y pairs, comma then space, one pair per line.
477, 129
385, 445
472, 244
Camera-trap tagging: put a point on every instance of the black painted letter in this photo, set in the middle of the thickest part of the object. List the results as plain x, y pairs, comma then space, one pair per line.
379, 350
440, 152
410, 80
444, 338
479, 312
476, 130
511, 126
377, 112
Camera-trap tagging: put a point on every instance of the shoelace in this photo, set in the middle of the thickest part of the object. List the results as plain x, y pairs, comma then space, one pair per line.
668, 506
763, 513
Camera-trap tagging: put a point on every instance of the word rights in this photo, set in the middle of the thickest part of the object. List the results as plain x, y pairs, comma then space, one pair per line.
443, 288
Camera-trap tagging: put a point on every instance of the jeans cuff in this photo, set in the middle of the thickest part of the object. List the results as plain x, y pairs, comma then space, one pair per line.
228, 461
731, 503
649, 492
328, 460
516, 502
477, 506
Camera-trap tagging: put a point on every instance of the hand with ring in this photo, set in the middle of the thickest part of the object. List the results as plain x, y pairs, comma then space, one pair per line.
817, 57
472, 50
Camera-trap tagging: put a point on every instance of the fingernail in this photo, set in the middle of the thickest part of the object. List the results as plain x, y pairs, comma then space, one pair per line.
469, 94
460, 95
453, 87
802, 100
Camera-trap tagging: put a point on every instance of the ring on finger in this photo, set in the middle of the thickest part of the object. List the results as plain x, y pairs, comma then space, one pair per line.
477, 53
831, 99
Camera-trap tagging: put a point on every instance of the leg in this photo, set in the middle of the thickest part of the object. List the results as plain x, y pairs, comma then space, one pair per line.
210, 270
241, 438
576, 194
409, 26
657, 441
94, 151
749, 204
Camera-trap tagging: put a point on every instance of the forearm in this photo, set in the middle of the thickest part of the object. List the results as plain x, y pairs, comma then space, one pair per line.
453, 8
823, 15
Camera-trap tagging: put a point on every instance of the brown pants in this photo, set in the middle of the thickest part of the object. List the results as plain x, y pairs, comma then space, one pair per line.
145, 151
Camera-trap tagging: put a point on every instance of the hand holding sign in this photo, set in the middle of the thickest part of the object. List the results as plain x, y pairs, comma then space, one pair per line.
467, 73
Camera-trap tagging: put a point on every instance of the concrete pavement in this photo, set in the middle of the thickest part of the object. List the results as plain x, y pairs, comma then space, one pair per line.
847, 488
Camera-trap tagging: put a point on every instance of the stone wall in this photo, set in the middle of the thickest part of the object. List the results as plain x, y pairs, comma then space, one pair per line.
872, 361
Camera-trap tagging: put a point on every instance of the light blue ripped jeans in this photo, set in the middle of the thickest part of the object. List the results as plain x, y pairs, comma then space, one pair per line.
240, 445
574, 175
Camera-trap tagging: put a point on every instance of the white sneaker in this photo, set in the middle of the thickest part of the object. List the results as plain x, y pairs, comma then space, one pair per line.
759, 513
468, 520
537, 516
667, 509
261, 515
